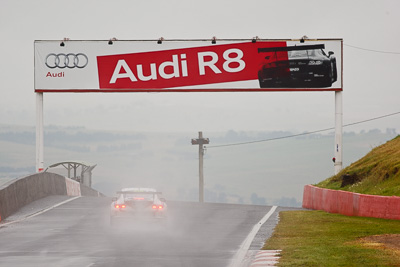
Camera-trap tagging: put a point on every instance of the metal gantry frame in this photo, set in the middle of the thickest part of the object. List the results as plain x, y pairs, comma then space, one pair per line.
338, 151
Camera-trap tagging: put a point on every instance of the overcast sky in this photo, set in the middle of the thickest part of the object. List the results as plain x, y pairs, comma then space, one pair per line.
370, 82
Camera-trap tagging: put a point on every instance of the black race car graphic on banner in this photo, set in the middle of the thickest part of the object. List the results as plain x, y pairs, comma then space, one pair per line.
305, 66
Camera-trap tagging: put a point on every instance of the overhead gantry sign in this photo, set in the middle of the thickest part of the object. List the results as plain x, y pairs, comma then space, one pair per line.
189, 66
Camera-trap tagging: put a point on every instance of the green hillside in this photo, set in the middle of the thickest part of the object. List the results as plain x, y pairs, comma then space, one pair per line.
377, 173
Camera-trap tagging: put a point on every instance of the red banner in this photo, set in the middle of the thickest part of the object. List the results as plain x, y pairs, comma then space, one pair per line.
186, 67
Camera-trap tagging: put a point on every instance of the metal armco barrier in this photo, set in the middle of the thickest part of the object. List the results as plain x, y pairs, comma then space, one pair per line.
351, 204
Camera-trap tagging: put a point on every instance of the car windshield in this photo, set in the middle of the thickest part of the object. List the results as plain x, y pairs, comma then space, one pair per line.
306, 53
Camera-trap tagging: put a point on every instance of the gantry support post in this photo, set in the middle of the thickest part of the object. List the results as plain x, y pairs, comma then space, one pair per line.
39, 133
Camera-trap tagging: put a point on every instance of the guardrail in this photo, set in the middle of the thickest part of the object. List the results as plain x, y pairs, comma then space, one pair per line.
351, 204
20, 192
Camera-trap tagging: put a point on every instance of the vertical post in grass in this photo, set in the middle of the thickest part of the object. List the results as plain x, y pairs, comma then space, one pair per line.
338, 131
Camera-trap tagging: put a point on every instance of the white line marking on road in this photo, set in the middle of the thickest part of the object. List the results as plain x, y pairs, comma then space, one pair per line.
40, 212
244, 247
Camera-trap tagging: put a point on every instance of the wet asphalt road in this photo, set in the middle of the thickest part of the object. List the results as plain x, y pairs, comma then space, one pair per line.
78, 233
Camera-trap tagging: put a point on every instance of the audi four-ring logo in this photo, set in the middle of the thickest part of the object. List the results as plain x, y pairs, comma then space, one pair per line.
66, 61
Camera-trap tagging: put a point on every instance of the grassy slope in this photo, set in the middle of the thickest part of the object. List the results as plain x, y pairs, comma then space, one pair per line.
378, 173
317, 238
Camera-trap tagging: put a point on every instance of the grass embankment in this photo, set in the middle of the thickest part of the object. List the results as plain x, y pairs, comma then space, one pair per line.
317, 238
378, 173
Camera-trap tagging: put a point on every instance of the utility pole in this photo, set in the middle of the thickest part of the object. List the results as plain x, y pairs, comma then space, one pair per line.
201, 141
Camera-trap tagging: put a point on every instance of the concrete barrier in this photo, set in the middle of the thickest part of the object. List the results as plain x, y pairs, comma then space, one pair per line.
351, 204
90, 192
20, 192
73, 187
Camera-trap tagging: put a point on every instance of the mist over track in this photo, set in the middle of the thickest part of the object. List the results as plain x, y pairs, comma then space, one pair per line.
78, 233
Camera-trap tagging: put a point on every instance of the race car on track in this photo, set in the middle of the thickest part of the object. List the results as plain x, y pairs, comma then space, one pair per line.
303, 66
138, 205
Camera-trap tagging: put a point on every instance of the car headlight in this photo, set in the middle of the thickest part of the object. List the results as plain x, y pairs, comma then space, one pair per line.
315, 62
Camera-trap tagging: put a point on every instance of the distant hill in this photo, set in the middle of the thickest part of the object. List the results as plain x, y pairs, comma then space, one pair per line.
377, 173
261, 173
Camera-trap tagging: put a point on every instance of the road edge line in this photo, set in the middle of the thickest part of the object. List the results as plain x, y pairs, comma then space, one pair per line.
39, 212
244, 247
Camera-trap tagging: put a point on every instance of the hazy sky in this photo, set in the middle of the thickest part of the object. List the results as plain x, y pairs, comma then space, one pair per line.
370, 78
